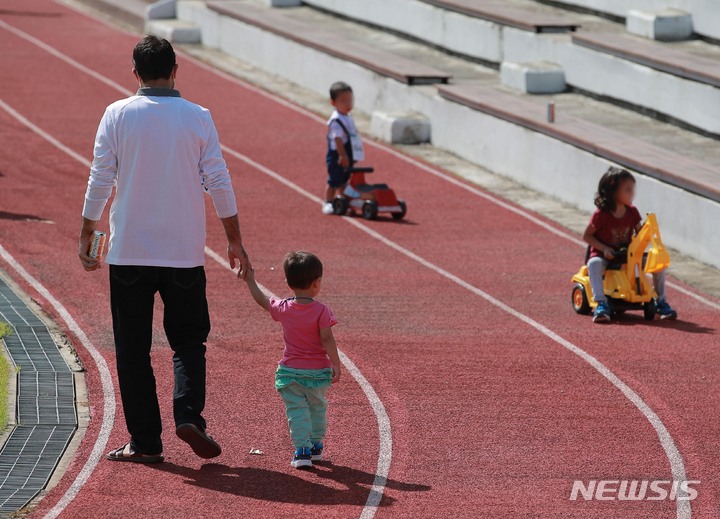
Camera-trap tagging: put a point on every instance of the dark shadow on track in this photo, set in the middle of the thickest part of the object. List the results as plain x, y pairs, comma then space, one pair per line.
282, 487
677, 324
5, 215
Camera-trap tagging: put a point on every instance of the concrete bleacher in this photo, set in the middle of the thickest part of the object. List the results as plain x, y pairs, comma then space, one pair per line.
513, 32
651, 54
508, 15
620, 8
465, 27
705, 13
484, 122
673, 90
615, 146
333, 44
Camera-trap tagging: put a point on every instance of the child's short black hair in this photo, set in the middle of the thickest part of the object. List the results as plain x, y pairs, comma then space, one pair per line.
338, 88
153, 58
302, 269
608, 186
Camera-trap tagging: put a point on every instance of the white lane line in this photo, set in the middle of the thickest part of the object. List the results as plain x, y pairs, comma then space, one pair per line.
383, 420
108, 416
313, 116
385, 452
561, 233
676, 463
385, 435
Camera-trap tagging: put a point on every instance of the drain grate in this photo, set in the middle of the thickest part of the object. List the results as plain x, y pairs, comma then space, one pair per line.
46, 416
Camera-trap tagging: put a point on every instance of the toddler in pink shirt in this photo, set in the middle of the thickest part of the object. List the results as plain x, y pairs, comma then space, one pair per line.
310, 360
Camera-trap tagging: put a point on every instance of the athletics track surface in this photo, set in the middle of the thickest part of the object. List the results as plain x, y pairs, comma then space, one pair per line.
492, 413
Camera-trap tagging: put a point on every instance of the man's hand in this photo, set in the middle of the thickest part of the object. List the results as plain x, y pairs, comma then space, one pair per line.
238, 258
235, 252
86, 232
344, 161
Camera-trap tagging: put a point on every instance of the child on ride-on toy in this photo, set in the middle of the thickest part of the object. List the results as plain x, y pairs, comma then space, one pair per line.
611, 229
344, 144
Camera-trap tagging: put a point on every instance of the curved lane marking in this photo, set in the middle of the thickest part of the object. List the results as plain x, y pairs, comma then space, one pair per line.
383, 420
666, 440
108, 416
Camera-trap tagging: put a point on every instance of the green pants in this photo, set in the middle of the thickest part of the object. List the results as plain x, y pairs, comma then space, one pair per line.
304, 393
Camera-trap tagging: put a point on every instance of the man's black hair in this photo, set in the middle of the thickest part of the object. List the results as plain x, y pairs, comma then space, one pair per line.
302, 269
153, 58
338, 88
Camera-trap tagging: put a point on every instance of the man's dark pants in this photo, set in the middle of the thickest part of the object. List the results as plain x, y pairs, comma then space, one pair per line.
187, 325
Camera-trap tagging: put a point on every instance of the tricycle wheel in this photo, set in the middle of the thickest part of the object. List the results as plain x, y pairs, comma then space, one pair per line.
370, 210
403, 211
340, 205
579, 300
649, 310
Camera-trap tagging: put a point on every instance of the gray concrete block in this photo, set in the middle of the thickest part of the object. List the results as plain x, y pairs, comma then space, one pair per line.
400, 128
665, 25
534, 78
174, 30
162, 9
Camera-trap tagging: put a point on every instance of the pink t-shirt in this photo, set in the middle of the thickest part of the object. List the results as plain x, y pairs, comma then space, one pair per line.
301, 329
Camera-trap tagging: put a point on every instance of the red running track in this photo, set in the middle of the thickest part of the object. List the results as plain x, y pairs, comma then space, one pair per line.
490, 417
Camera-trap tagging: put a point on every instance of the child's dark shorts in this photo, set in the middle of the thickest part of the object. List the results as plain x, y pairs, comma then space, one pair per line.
337, 176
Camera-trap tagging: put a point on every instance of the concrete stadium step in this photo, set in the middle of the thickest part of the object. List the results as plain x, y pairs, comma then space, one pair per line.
650, 87
536, 159
131, 12
474, 30
620, 8
396, 66
508, 15
608, 142
705, 13
646, 87
697, 61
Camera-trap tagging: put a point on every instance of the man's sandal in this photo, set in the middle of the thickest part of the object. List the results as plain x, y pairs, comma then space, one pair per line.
125, 453
202, 444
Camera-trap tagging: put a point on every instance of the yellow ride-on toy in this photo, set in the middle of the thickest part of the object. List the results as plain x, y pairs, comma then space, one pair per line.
626, 283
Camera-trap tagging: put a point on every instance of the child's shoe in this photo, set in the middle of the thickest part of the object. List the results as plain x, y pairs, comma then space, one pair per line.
316, 452
327, 208
302, 458
602, 313
665, 311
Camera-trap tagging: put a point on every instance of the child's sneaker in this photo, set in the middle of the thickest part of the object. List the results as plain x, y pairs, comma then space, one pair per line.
602, 313
665, 311
302, 458
316, 452
327, 208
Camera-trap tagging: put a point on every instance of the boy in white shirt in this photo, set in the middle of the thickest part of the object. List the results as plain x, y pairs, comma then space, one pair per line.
345, 147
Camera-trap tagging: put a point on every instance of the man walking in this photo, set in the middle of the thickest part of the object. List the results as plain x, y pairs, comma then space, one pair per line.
160, 151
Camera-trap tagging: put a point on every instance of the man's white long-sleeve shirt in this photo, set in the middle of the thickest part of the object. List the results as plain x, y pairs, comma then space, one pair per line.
158, 150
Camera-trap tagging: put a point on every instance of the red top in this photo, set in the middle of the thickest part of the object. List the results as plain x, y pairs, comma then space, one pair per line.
614, 232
